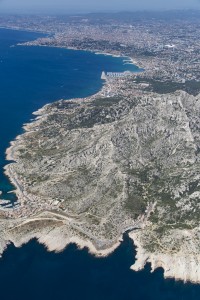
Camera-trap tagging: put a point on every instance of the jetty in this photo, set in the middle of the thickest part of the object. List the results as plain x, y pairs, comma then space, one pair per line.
105, 75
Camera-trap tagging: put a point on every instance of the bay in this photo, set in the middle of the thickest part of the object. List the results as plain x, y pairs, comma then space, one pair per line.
29, 78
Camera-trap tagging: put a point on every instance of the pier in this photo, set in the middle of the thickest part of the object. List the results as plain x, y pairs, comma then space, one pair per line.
105, 75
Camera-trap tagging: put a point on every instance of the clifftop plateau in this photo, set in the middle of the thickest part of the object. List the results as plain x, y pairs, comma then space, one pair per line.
87, 170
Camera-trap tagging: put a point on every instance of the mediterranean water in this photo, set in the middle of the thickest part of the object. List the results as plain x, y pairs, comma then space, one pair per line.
29, 78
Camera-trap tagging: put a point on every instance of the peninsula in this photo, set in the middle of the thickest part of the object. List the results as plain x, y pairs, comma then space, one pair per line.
125, 159
87, 170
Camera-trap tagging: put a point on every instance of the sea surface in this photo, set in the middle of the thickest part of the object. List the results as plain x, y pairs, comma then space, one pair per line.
29, 78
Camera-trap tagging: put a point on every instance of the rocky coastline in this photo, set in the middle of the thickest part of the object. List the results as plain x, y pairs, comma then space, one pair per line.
87, 170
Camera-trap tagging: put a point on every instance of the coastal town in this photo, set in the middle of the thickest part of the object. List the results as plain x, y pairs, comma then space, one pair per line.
166, 46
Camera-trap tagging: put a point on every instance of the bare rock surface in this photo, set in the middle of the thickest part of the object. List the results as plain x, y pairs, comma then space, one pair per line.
88, 170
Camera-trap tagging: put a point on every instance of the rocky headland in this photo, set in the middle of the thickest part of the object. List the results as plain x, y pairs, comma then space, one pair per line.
125, 159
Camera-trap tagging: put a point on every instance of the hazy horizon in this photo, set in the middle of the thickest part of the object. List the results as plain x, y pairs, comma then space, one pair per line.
78, 6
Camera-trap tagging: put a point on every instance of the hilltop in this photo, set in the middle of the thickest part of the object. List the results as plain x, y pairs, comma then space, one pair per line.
87, 170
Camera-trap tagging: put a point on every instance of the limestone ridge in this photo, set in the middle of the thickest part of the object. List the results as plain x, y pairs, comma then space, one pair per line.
124, 159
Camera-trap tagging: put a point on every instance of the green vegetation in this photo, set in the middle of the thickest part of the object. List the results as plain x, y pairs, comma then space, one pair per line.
135, 204
106, 102
163, 87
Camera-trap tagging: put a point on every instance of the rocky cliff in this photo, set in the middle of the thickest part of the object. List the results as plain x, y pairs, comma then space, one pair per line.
89, 170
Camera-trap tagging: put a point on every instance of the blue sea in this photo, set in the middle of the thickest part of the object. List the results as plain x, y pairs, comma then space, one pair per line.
29, 78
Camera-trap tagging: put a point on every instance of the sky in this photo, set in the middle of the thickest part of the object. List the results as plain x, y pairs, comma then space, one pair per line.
75, 6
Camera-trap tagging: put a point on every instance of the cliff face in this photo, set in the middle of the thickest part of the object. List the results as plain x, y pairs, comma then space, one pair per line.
180, 259
93, 169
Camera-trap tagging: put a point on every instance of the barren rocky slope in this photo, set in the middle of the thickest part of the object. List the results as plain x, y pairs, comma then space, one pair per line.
88, 170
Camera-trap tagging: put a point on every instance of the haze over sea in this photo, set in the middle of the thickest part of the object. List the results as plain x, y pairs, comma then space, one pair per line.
29, 78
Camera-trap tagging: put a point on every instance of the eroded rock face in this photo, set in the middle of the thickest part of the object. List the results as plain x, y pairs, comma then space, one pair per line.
93, 169
180, 260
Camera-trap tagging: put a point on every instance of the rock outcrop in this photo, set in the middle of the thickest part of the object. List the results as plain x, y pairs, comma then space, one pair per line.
92, 169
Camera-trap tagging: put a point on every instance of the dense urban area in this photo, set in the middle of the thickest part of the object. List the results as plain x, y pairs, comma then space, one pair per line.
166, 45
